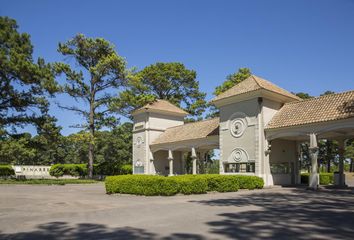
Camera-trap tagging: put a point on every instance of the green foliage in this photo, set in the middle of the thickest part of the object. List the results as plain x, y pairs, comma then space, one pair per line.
105, 70
6, 171
168, 81
112, 149
80, 170
221, 183
325, 178
250, 182
186, 184
303, 95
24, 81
141, 185
191, 184
47, 181
127, 169
232, 80
17, 149
77, 170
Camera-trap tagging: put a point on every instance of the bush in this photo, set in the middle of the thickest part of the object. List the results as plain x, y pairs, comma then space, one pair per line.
47, 181
126, 169
6, 171
80, 170
186, 184
325, 178
221, 183
250, 182
77, 170
191, 184
141, 185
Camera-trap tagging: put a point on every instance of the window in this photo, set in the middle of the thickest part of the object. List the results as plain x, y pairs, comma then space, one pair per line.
138, 169
280, 168
239, 167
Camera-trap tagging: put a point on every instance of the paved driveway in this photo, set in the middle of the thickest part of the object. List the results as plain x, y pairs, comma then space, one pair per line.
86, 212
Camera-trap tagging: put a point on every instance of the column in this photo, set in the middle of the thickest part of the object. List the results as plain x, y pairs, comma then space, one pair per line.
151, 163
340, 178
297, 166
194, 159
182, 163
170, 159
314, 179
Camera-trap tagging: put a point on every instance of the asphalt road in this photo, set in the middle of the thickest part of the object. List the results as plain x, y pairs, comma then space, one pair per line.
86, 212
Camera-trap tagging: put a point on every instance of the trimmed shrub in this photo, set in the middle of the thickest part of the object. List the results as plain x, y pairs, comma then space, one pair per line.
221, 183
250, 182
325, 178
77, 170
191, 184
141, 185
80, 170
186, 184
6, 171
126, 169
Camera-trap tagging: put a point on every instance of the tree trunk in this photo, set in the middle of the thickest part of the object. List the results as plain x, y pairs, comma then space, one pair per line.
351, 169
92, 132
90, 163
328, 164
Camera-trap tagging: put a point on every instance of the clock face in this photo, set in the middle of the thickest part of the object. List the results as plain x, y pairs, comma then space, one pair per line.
237, 127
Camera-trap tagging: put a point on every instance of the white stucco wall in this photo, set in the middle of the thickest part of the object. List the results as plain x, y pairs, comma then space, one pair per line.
284, 152
228, 142
147, 127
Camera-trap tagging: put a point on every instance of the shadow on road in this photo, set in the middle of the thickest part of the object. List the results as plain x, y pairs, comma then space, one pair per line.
62, 230
295, 214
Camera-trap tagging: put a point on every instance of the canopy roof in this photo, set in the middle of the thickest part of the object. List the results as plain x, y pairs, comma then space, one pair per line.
254, 83
315, 110
161, 106
189, 131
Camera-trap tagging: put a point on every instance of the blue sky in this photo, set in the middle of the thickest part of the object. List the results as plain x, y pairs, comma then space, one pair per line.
302, 45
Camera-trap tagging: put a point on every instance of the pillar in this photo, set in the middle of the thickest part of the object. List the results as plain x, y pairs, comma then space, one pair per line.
339, 178
314, 179
151, 163
194, 159
170, 159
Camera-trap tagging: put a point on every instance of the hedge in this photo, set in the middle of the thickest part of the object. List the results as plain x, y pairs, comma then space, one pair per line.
6, 171
77, 170
186, 184
80, 170
190, 184
141, 185
325, 178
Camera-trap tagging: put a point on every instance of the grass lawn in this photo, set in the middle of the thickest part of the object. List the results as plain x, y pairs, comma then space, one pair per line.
47, 181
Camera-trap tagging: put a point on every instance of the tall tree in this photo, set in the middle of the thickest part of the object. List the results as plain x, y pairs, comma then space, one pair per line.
303, 95
232, 80
104, 71
169, 81
24, 82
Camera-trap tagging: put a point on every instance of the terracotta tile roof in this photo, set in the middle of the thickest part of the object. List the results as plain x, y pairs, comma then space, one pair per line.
254, 83
162, 105
315, 110
188, 131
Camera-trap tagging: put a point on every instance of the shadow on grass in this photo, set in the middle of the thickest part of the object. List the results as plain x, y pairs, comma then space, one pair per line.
294, 214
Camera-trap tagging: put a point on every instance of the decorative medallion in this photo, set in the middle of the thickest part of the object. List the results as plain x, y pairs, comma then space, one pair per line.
237, 127
138, 163
139, 141
238, 155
